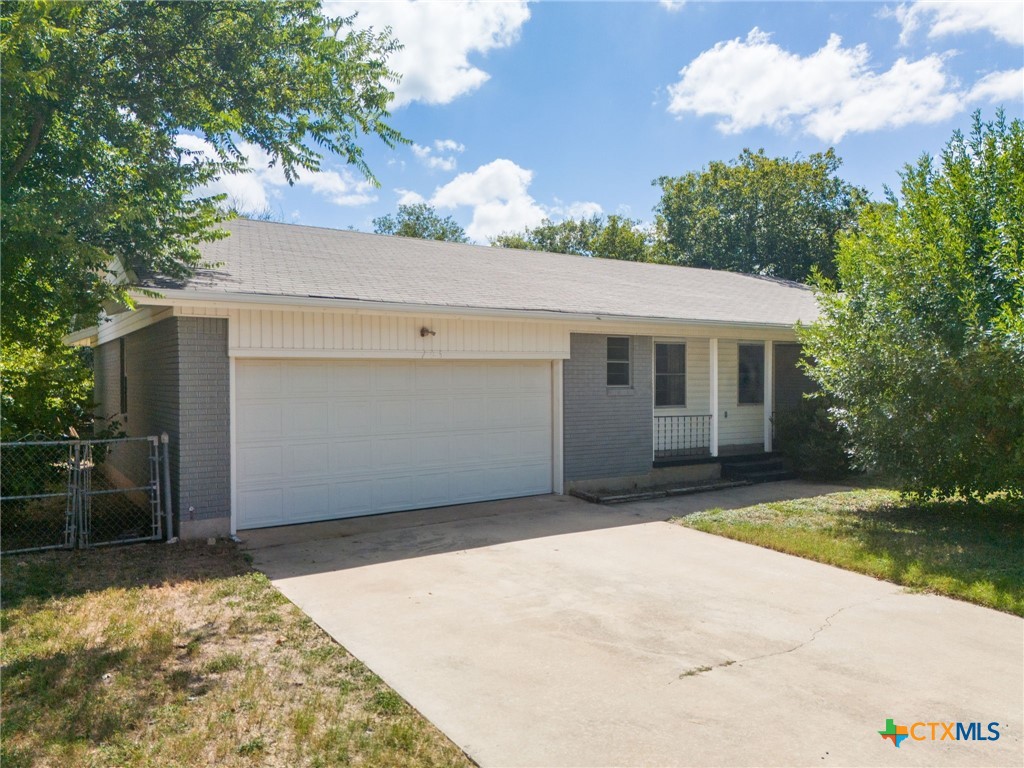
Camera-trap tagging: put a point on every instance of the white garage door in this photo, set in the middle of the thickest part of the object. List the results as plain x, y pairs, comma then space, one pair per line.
324, 439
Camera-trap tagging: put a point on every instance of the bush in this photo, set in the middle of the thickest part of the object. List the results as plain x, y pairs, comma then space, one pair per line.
811, 443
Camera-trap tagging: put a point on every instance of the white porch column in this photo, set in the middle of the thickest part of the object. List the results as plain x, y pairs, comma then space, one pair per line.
769, 390
713, 389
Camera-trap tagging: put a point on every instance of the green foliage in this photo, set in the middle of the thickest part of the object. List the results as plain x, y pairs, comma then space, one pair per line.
761, 215
612, 237
923, 349
813, 444
422, 221
94, 185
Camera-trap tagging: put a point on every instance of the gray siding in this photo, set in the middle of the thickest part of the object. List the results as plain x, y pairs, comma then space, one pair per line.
607, 430
178, 374
106, 363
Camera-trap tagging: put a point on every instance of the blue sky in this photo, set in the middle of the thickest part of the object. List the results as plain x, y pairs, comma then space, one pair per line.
553, 109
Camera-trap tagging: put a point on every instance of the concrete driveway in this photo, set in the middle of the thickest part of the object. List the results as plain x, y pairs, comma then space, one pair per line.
551, 632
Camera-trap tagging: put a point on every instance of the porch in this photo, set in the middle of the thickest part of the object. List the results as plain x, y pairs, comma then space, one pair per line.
717, 400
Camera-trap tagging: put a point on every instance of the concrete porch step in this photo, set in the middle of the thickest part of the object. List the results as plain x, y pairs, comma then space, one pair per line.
757, 469
643, 494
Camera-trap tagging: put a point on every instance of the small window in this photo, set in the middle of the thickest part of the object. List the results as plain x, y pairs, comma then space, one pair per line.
124, 377
751, 374
618, 361
670, 374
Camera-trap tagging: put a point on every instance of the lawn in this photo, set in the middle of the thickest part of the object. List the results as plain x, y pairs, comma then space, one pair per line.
969, 550
182, 655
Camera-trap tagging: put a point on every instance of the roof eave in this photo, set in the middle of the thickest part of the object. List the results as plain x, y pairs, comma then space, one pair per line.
197, 298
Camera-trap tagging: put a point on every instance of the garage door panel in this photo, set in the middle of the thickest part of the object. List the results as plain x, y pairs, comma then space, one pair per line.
350, 457
346, 378
534, 378
308, 419
431, 451
502, 412
393, 377
318, 440
470, 377
310, 459
533, 411
261, 420
468, 447
352, 498
535, 444
262, 506
392, 416
262, 378
351, 418
394, 493
470, 412
435, 379
261, 462
434, 489
392, 455
309, 502
307, 378
432, 415
500, 447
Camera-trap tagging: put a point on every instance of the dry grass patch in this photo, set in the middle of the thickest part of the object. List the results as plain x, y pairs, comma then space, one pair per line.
158, 655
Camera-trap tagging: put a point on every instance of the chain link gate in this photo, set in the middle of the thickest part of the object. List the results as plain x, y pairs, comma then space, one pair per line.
82, 493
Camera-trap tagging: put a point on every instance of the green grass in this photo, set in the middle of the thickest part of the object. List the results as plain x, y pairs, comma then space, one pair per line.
971, 550
183, 655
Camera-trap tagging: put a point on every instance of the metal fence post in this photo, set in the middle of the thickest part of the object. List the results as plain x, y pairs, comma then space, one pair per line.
166, 442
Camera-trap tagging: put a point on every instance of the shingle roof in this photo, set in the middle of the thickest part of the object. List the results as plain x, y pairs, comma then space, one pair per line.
287, 260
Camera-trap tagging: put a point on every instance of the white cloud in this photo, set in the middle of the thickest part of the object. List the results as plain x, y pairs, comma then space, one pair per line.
448, 145
672, 5
1004, 20
409, 197
433, 157
577, 210
499, 196
439, 38
251, 192
753, 82
999, 86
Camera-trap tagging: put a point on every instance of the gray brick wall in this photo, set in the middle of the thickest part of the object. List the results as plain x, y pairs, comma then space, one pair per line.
607, 430
178, 375
204, 438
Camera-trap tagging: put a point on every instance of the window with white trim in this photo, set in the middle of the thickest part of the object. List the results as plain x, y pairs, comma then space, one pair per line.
670, 374
617, 372
750, 377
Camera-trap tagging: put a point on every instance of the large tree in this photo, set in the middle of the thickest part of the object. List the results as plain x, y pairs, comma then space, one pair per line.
95, 184
422, 221
774, 216
923, 348
611, 237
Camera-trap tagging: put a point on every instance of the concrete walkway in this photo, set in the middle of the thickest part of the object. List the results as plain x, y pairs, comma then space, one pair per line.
551, 632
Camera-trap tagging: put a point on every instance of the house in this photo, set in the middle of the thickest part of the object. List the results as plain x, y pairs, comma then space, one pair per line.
310, 374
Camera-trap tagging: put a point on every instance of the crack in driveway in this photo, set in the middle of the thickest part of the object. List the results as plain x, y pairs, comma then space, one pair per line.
700, 670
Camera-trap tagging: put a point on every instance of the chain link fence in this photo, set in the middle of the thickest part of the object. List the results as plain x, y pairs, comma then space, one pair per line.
82, 493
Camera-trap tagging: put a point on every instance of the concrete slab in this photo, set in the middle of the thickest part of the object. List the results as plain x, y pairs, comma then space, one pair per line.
551, 632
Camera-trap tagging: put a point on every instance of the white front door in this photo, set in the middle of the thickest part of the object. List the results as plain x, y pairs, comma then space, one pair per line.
324, 439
